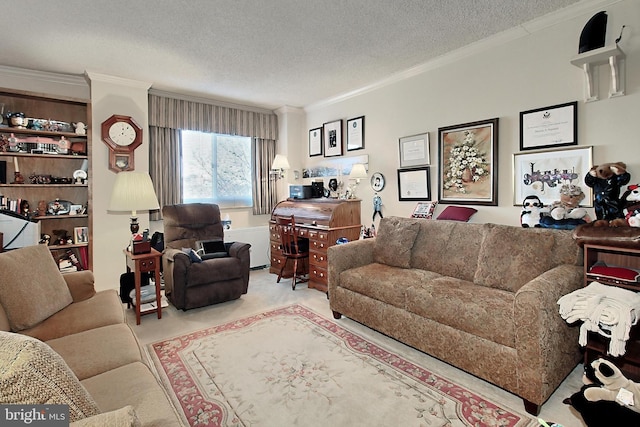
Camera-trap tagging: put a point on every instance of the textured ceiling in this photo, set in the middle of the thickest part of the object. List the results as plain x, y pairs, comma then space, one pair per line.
266, 53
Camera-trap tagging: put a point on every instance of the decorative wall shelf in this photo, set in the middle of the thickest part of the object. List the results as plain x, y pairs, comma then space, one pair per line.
590, 61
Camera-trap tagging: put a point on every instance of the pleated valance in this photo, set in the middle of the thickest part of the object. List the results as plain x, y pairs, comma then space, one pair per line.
175, 113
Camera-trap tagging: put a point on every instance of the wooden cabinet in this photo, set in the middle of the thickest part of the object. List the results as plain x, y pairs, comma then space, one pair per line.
322, 221
597, 345
48, 167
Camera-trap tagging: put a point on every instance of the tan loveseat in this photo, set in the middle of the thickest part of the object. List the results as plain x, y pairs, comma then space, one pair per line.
63, 343
482, 297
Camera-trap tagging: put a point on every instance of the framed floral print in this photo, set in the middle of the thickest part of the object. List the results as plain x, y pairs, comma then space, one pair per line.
468, 160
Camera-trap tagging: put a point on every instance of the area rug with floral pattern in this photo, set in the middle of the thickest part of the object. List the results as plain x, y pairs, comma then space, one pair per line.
293, 367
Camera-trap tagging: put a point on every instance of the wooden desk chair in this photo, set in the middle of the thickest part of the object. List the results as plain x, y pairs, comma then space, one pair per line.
293, 247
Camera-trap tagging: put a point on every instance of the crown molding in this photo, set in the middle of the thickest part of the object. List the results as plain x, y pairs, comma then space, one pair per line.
120, 81
46, 76
523, 30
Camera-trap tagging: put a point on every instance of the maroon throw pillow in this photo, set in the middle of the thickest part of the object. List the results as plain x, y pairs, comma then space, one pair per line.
457, 213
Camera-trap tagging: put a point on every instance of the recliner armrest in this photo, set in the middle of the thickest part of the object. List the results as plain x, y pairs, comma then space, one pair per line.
81, 284
238, 249
170, 253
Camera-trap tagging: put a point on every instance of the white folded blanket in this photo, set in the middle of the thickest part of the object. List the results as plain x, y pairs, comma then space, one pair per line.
607, 310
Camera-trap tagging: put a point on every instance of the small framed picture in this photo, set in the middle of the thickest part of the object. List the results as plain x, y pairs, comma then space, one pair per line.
414, 150
332, 134
424, 210
80, 235
355, 134
414, 184
315, 142
549, 127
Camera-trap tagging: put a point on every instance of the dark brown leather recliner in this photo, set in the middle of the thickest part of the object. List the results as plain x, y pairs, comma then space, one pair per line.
190, 284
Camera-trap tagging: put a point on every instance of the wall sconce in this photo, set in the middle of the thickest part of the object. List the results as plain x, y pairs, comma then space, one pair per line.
358, 171
279, 165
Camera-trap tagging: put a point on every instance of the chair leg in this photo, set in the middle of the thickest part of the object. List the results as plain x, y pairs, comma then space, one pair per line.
282, 269
295, 274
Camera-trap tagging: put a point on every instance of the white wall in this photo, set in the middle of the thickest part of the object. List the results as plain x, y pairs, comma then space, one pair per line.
514, 72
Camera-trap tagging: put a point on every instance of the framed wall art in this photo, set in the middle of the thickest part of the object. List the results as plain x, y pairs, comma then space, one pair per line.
315, 142
414, 184
332, 135
542, 174
424, 210
549, 127
355, 134
414, 150
468, 160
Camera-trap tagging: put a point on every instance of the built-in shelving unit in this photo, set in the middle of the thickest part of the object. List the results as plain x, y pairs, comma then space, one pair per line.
47, 176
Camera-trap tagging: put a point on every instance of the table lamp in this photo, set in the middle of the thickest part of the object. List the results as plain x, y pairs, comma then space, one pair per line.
132, 192
358, 171
279, 165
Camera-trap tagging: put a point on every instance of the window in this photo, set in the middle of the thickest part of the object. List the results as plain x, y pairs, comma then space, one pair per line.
216, 169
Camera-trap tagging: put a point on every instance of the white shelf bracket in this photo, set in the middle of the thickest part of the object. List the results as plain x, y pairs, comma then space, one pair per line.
589, 62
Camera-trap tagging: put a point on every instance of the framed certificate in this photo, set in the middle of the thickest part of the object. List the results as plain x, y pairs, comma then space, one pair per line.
355, 134
414, 150
549, 127
414, 184
315, 142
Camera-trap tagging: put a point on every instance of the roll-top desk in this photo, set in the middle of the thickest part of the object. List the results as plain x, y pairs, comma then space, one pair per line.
322, 221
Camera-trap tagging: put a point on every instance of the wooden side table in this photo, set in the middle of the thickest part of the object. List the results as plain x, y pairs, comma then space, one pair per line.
145, 263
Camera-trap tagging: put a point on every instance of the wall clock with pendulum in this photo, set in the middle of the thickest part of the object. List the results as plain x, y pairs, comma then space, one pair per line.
122, 135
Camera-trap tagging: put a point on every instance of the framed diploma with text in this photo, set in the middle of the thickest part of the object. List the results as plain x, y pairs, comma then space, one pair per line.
549, 127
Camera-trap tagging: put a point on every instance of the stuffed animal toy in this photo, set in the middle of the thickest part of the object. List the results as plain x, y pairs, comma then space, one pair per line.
614, 386
600, 413
568, 207
630, 204
566, 213
531, 212
606, 180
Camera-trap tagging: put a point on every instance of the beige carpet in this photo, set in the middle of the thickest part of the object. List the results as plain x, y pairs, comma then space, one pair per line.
292, 366
265, 295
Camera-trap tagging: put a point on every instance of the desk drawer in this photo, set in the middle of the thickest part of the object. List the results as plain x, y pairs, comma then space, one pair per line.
318, 259
318, 274
147, 265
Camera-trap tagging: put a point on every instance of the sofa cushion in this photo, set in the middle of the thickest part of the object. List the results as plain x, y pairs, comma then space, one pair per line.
395, 240
478, 310
137, 387
383, 282
123, 417
448, 247
104, 308
512, 256
30, 274
92, 352
32, 373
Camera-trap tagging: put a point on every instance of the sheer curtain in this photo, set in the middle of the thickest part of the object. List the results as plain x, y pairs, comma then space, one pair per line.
169, 115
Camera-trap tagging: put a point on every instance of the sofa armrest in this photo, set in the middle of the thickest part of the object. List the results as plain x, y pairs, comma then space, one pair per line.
81, 284
345, 257
547, 348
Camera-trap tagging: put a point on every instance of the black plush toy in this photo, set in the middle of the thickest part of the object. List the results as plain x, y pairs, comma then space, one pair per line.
606, 180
